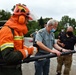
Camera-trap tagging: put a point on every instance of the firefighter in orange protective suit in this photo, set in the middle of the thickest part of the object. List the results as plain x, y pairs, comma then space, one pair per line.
12, 49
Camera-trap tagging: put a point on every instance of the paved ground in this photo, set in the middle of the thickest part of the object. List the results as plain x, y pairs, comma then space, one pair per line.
28, 68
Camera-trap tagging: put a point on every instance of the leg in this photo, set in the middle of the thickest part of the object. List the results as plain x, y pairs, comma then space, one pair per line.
59, 65
46, 67
39, 67
67, 63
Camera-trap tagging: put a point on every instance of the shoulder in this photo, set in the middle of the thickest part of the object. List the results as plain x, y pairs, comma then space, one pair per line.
5, 30
41, 31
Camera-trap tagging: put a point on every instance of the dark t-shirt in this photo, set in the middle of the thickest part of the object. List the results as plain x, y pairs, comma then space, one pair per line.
61, 33
68, 41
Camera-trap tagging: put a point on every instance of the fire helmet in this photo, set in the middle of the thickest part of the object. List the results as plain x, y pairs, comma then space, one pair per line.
21, 9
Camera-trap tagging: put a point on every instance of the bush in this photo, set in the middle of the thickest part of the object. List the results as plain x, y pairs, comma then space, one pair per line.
56, 34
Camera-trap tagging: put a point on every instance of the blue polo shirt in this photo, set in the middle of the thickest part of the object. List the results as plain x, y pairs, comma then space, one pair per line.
48, 39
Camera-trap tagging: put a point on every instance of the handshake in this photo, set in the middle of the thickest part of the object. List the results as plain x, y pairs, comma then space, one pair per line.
27, 51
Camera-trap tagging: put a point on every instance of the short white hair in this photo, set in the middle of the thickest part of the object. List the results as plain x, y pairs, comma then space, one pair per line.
52, 22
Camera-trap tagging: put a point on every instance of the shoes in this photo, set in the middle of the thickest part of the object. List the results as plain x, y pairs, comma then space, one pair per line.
58, 74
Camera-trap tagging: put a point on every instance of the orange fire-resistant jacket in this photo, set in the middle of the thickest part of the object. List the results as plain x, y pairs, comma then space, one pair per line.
12, 45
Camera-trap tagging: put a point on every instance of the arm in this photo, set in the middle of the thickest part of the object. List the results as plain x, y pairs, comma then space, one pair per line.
59, 43
7, 47
43, 47
31, 35
56, 46
9, 54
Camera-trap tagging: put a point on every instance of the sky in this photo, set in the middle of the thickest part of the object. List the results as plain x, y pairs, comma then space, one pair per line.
44, 8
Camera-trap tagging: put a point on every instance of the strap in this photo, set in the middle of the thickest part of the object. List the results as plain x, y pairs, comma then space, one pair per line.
12, 30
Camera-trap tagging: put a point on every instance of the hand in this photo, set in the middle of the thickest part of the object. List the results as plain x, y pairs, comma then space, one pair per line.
65, 50
56, 52
32, 50
28, 51
62, 44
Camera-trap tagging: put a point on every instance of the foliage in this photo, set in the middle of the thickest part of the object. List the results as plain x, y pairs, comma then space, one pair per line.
5, 15
41, 22
56, 34
46, 19
32, 25
64, 23
67, 21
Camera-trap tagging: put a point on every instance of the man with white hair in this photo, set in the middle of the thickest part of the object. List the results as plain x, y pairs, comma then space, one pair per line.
46, 41
66, 41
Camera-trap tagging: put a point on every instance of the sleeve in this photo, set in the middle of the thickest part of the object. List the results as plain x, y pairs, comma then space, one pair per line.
39, 37
7, 47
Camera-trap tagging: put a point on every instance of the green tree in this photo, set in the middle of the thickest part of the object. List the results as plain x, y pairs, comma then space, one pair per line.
73, 23
41, 22
5, 15
46, 20
32, 25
